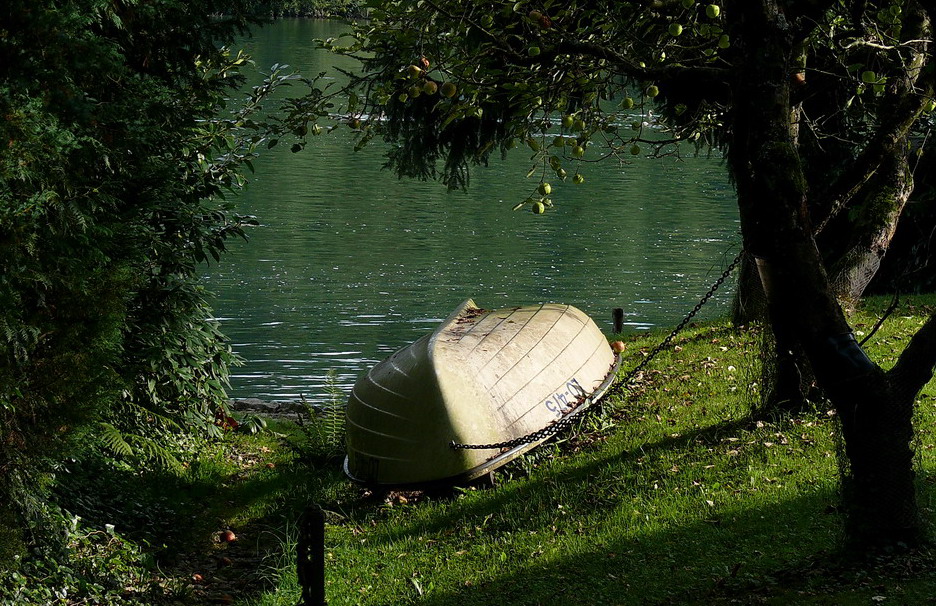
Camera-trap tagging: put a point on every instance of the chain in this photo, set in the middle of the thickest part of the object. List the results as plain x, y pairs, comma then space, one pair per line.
540, 434
629, 377
566, 421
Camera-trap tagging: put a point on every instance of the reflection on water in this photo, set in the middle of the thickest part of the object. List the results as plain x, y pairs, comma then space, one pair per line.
350, 263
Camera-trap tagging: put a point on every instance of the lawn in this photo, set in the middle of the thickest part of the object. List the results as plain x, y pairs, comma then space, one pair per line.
675, 492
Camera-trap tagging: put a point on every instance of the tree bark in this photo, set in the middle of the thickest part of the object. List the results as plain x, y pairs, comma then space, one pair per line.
801, 302
856, 259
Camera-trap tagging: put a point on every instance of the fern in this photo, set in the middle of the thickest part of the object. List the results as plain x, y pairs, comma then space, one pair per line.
113, 440
128, 445
153, 452
333, 413
324, 427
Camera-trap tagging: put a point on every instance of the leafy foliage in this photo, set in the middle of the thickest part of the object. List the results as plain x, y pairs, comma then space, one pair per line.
95, 566
451, 83
310, 8
119, 139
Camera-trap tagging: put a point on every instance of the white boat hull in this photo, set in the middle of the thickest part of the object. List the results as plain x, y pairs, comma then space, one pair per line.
482, 377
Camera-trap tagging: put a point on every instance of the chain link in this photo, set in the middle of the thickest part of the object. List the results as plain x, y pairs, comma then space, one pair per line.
619, 387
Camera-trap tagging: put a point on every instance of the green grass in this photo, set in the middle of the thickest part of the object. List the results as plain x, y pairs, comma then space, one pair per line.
672, 494
675, 495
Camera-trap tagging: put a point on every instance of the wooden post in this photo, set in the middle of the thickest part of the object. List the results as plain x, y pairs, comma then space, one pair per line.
617, 314
310, 557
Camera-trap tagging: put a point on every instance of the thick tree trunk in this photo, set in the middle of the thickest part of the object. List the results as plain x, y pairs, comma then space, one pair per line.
802, 304
786, 380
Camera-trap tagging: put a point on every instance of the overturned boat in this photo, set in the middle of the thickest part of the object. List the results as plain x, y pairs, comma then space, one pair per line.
481, 378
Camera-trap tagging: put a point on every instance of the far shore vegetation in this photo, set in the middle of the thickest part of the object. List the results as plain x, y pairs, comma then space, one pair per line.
320, 9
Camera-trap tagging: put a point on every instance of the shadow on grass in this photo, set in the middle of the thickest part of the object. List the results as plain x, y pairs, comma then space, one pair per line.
676, 562
684, 564
677, 567
578, 478
177, 518
771, 552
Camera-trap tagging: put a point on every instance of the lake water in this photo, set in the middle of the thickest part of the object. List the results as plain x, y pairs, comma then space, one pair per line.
350, 263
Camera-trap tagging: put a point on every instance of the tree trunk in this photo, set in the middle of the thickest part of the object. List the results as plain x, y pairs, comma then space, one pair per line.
801, 302
749, 304
786, 379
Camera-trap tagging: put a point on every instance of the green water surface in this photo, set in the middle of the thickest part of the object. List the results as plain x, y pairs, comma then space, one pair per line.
350, 263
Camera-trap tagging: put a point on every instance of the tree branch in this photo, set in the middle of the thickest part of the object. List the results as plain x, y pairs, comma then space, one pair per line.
892, 132
627, 66
914, 368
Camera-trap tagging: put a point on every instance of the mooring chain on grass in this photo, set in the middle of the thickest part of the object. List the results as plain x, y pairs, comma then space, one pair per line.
629, 377
621, 385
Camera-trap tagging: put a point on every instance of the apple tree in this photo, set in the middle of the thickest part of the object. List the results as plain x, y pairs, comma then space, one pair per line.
816, 105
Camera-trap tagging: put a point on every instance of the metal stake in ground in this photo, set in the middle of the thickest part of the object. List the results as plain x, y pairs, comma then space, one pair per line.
310, 557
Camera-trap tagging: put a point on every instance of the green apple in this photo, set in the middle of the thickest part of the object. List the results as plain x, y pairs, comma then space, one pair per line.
448, 90
674, 29
567, 121
538, 208
635, 149
653, 90
414, 91
430, 87
712, 10
578, 151
627, 103
578, 124
414, 71
544, 189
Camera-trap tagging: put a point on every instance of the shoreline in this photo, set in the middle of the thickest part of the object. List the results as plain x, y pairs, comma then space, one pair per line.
321, 13
279, 409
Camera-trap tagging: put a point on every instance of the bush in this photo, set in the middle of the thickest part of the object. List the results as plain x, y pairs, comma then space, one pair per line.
114, 159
